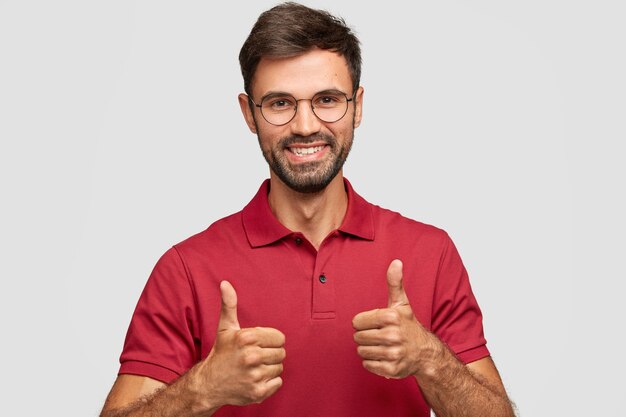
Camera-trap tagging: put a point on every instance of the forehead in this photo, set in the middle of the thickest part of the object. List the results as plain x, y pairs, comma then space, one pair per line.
303, 75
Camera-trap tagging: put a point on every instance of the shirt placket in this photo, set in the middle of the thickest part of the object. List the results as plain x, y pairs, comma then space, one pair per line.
323, 282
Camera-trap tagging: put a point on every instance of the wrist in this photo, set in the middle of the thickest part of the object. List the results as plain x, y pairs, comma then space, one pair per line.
433, 359
200, 392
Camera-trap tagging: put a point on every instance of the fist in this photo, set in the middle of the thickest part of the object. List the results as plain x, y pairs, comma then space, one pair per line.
244, 365
390, 340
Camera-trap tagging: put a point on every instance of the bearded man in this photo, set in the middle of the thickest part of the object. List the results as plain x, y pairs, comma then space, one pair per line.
310, 301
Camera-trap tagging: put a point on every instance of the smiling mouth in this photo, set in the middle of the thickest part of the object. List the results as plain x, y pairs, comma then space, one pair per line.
300, 151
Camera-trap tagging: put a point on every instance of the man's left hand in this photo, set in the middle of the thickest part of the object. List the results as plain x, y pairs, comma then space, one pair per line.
390, 340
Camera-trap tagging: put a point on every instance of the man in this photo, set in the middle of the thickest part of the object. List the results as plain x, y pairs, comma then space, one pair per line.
310, 301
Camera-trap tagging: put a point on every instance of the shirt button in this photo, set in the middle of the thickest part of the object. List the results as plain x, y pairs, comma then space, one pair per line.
298, 241
322, 279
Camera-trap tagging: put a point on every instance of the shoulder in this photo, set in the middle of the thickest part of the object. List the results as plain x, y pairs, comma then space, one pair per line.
223, 232
391, 223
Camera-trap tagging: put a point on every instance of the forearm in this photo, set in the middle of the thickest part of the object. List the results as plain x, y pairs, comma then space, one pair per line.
452, 390
177, 399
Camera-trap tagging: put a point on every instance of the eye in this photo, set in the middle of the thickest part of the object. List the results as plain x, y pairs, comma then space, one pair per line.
279, 103
328, 100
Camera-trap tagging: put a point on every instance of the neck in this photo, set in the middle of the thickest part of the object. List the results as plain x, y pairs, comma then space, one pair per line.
314, 215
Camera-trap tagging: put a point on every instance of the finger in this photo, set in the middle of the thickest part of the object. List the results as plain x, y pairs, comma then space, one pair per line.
381, 368
272, 371
273, 385
264, 389
256, 356
266, 337
228, 314
380, 353
272, 356
377, 337
376, 319
397, 296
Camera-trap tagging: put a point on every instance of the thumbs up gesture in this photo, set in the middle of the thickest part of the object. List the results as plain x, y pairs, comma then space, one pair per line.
391, 340
244, 365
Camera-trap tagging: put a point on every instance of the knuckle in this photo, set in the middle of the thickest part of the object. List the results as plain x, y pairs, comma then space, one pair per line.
275, 371
398, 372
245, 337
391, 316
257, 394
395, 353
255, 375
241, 336
393, 336
390, 369
251, 357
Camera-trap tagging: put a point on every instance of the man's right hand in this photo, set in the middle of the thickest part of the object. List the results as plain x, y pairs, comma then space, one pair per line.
244, 365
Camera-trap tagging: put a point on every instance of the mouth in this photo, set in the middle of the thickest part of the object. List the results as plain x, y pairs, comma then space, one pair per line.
303, 151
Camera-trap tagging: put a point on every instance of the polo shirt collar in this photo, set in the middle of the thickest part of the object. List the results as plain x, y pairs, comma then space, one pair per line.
359, 220
262, 228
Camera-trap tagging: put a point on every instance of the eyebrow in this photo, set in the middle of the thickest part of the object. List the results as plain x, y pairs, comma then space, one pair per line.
284, 93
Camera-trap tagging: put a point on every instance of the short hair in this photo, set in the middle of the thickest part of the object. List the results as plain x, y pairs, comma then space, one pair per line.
291, 29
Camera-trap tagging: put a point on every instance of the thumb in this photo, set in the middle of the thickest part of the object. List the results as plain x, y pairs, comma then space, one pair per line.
397, 296
228, 314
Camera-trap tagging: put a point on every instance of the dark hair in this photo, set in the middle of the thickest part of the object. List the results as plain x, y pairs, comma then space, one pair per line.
291, 29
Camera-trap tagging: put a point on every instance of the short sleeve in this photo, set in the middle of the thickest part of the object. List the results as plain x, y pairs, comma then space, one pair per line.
161, 342
456, 318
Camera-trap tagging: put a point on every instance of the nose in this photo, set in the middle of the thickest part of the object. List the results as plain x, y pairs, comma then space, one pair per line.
305, 122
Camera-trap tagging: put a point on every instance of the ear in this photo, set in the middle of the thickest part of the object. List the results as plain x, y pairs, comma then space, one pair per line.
358, 106
248, 114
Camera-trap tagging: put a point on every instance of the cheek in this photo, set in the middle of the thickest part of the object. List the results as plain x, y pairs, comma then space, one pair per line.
267, 138
344, 132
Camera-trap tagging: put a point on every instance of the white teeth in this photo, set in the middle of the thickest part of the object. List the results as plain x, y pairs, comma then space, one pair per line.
306, 151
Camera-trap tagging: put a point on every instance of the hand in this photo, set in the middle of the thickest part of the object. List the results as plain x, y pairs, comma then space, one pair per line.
244, 365
390, 340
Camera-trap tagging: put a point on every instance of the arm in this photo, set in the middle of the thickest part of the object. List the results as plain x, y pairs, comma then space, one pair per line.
243, 367
393, 344
134, 395
473, 390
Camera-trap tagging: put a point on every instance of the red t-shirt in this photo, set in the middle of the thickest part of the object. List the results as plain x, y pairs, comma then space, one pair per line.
277, 275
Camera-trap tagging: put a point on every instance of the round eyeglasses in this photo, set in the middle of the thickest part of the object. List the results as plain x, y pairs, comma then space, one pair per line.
279, 109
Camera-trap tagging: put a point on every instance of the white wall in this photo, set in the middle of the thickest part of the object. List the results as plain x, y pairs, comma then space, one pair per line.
501, 122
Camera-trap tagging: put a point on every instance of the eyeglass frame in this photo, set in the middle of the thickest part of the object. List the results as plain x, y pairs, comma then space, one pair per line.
260, 106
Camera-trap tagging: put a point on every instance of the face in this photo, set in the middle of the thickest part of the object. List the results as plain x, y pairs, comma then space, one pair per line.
306, 153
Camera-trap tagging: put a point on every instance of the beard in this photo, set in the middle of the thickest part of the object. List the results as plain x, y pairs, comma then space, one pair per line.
308, 177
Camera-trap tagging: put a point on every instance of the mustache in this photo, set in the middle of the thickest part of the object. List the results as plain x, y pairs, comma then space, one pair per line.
291, 140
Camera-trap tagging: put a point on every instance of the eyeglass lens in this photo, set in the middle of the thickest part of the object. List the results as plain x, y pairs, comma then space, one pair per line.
280, 109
